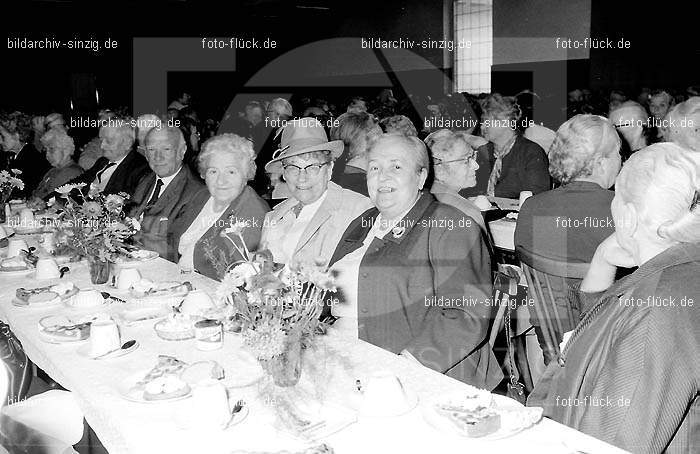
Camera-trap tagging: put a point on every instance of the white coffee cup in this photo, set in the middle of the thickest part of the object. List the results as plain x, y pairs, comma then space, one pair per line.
26, 218
14, 247
127, 277
196, 303
384, 395
3, 233
48, 242
104, 337
209, 405
46, 268
524, 195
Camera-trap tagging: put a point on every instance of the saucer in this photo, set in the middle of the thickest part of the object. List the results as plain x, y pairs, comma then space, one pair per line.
129, 390
84, 351
50, 303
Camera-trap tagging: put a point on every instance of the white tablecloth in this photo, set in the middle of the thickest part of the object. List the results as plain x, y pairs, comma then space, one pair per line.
128, 427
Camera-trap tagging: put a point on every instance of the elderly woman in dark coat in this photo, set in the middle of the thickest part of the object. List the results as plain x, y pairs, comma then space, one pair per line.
516, 163
227, 163
414, 274
629, 374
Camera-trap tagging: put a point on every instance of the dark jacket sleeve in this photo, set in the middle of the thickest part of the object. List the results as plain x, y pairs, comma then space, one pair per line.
462, 276
650, 381
536, 173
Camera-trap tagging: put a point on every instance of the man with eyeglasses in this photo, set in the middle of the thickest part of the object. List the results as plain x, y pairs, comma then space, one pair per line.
306, 227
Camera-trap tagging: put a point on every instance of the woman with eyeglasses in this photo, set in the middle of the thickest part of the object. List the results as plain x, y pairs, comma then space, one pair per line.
226, 163
414, 274
306, 227
455, 169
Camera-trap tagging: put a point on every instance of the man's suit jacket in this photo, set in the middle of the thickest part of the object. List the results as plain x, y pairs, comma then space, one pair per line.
247, 207
125, 177
158, 217
426, 288
321, 235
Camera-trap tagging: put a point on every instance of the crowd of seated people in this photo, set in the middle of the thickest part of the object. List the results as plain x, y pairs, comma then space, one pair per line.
387, 204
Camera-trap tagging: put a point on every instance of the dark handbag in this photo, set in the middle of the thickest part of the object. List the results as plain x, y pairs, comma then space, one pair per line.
15, 360
507, 290
515, 389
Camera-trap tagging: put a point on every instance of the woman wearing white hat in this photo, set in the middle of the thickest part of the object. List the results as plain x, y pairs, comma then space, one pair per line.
306, 227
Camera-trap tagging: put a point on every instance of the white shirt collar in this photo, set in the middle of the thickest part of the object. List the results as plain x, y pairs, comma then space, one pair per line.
313, 207
166, 180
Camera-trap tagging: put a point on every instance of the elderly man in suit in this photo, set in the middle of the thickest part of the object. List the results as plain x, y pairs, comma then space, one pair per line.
162, 193
121, 167
306, 227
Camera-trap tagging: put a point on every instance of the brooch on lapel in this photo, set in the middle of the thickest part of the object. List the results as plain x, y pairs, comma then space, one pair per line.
398, 231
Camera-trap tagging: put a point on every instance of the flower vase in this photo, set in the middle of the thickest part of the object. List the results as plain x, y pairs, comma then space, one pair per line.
285, 368
99, 270
3, 213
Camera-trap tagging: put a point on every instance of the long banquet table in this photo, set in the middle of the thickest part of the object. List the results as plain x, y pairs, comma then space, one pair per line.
130, 427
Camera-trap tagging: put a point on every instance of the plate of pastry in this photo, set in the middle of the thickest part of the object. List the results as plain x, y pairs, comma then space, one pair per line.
137, 256
133, 314
58, 329
47, 296
163, 383
15, 266
146, 289
480, 415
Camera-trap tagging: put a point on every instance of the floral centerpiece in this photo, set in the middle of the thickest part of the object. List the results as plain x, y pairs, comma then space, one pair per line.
279, 308
9, 181
95, 226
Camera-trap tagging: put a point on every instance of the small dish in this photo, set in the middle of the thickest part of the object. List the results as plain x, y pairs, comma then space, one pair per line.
51, 303
134, 315
129, 390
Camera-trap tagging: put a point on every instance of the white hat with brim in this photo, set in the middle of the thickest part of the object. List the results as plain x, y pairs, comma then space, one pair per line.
301, 136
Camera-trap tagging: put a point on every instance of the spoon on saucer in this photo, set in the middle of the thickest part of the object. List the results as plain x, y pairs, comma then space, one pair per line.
127, 345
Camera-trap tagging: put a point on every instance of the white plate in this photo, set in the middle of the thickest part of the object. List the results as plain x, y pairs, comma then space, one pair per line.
17, 272
28, 230
50, 303
84, 351
126, 390
8, 229
147, 257
47, 337
514, 418
130, 316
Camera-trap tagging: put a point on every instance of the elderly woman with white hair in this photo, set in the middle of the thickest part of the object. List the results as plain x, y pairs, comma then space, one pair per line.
568, 223
226, 163
683, 124
455, 169
406, 267
637, 344
59, 148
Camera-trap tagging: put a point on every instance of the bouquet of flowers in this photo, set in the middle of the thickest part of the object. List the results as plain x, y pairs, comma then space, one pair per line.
279, 309
8, 182
94, 225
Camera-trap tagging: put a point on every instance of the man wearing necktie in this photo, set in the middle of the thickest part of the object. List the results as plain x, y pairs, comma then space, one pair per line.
162, 193
121, 167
